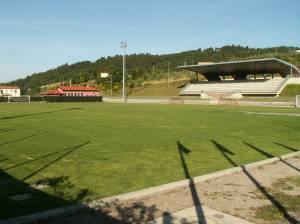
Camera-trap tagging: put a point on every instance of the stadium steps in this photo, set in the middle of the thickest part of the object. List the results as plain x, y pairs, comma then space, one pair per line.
247, 87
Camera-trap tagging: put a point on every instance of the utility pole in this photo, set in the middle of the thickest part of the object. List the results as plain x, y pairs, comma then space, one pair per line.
123, 45
111, 86
152, 70
80, 83
168, 74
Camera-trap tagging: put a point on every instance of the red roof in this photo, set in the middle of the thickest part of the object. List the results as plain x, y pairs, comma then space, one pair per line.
54, 92
9, 87
78, 88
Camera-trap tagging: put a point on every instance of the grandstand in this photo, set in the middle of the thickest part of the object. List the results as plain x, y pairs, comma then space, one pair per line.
259, 77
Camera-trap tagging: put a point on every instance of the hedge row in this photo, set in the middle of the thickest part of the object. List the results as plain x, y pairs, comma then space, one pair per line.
3, 99
73, 98
52, 99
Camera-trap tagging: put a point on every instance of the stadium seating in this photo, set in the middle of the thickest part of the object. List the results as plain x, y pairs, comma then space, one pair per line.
244, 87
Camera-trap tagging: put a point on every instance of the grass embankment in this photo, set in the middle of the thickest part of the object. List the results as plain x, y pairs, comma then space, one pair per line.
291, 90
66, 153
159, 88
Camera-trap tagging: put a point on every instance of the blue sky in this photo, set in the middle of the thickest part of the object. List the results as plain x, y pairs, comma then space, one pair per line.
38, 35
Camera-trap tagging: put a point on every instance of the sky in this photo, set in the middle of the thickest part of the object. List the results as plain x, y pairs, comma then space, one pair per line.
39, 35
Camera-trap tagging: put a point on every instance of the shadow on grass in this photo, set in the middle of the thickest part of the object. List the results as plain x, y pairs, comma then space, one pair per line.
287, 147
21, 139
38, 158
2, 160
182, 150
68, 151
226, 153
7, 130
62, 192
268, 155
34, 114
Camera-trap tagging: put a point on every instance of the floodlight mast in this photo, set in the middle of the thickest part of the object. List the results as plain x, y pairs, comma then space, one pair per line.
123, 45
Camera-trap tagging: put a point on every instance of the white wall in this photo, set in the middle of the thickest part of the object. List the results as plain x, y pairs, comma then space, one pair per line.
293, 81
10, 92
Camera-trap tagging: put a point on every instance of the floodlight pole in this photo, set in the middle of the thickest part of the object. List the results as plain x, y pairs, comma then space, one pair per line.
123, 45
168, 74
111, 86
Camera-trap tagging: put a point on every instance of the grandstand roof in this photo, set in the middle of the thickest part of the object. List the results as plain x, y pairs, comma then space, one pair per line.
254, 66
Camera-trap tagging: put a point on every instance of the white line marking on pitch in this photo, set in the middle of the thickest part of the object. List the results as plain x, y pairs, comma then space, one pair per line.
283, 114
66, 160
267, 113
27, 157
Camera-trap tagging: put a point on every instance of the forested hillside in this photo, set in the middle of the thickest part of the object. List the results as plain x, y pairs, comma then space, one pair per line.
141, 67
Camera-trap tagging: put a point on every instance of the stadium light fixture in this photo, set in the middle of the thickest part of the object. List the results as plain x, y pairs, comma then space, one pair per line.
123, 45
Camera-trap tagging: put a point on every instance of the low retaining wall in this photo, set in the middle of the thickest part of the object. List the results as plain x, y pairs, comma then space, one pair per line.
200, 102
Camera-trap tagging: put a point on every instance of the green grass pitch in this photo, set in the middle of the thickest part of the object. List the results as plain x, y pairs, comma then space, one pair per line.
66, 153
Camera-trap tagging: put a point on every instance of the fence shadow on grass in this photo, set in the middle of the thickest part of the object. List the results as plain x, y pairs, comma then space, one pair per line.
64, 193
2, 160
38, 158
226, 154
268, 155
182, 150
21, 139
67, 152
287, 147
7, 130
40, 113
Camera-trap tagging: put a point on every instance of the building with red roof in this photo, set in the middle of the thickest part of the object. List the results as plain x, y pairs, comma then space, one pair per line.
73, 91
13, 91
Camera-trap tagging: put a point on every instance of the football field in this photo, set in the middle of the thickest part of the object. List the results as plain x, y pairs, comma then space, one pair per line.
65, 153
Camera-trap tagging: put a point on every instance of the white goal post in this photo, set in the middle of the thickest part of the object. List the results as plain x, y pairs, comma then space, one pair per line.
297, 104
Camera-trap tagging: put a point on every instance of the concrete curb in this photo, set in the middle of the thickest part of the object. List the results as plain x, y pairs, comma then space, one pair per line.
73, 209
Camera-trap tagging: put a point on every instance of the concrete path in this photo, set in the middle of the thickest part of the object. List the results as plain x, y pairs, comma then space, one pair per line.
189, 215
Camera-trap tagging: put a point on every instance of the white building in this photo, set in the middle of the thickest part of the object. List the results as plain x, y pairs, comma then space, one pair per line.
13, 91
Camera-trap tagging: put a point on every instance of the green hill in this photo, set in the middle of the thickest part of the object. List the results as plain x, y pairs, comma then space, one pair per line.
145, 67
